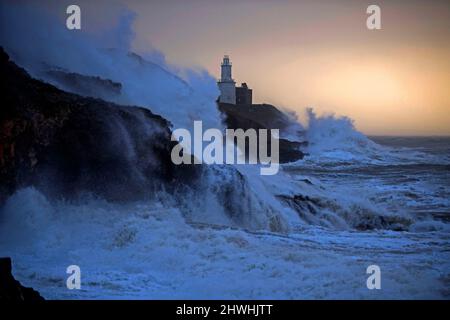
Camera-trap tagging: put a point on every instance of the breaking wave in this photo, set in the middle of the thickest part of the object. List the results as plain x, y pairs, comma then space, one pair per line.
292, 235
180, 97
233, 195
335, 141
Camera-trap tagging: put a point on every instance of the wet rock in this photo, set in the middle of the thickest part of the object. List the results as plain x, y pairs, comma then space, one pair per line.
10, 289
263, 116
65, 144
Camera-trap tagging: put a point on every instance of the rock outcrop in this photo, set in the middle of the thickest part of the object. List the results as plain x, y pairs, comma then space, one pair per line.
263, 116
10, 289
257, 116
65, 144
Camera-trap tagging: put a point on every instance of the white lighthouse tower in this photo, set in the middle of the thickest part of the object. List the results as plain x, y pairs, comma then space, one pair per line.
227, 86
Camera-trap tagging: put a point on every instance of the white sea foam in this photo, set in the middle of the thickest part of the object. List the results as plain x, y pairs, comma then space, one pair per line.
238, 235
147, 250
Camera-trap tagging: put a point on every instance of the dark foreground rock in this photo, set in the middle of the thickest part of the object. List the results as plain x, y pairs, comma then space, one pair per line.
11, 289
65, 144
263, 116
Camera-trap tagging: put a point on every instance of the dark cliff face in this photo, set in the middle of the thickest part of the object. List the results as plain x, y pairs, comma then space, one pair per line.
66, 144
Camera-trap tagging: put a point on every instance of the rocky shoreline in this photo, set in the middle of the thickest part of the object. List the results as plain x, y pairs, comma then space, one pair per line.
65, 143
10, 289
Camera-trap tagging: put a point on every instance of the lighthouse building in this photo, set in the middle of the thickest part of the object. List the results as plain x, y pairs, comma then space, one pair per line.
229, 93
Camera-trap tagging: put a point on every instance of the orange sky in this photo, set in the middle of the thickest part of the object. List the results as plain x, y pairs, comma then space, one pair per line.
318, 53
311, 53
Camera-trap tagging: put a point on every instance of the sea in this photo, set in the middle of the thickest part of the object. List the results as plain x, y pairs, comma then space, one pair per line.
151, 250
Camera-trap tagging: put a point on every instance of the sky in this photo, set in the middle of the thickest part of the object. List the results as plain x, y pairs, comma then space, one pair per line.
318, 53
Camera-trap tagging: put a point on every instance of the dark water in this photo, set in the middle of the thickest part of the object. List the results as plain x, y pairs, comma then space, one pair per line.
433, 145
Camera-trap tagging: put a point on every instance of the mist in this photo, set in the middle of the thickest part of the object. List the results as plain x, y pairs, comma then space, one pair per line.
39, 42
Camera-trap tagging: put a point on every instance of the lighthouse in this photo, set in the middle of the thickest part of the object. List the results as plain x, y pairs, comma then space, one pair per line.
227, 86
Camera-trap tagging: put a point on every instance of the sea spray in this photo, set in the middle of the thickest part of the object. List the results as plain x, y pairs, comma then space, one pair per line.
144, 83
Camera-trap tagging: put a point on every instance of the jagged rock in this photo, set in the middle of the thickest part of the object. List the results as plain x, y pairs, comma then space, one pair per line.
65, 144
11, 289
